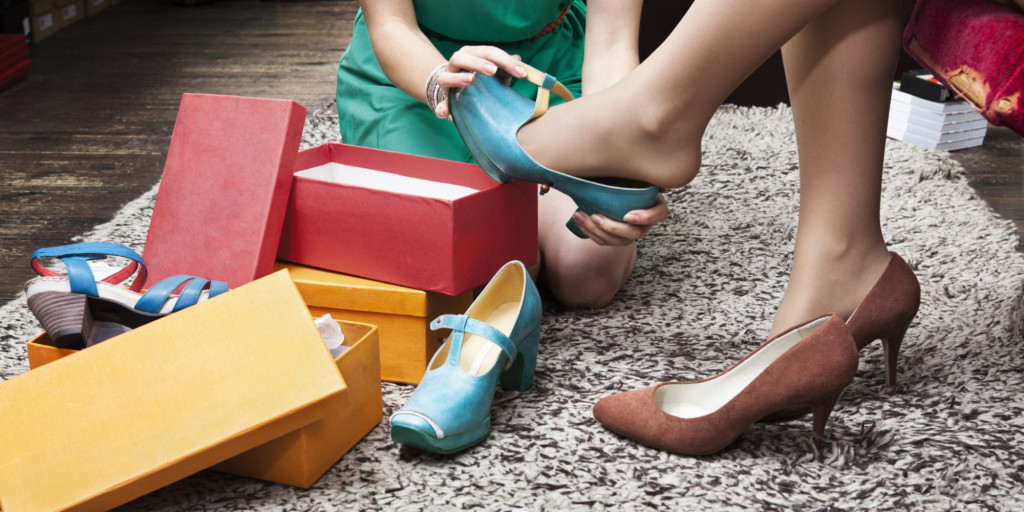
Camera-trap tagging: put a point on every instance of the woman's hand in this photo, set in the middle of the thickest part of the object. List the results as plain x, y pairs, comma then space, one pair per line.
485, 60
605, 231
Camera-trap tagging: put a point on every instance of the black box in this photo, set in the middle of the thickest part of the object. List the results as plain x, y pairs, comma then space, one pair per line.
14, 17
921, 84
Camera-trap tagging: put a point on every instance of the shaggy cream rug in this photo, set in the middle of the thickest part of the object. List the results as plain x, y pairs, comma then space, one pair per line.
951, 437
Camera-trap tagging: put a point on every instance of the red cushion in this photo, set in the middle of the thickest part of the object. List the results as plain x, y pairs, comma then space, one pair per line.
976, 48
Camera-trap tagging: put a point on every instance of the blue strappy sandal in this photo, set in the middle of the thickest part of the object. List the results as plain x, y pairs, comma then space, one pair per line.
495, 341
488, 114
58, 300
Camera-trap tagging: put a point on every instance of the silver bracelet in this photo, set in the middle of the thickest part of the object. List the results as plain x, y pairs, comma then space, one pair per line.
436, 94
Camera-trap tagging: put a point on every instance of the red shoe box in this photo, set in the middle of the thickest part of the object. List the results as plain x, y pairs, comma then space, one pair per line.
224, 190
228, 205
424, 223
14, 59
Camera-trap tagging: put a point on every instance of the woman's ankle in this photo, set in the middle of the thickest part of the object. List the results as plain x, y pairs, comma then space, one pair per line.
829, 281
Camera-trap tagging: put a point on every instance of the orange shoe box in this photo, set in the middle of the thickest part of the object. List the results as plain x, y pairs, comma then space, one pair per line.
424, 223
161, 402
302, 457
402, 314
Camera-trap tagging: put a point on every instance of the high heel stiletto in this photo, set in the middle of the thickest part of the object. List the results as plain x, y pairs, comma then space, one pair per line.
59, 301
494, 342
886, 312
808, 365
488, 114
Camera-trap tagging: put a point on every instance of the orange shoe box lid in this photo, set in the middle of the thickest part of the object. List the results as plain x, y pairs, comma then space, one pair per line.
161, 402
301, 457
224, 189
424, 223
402, 314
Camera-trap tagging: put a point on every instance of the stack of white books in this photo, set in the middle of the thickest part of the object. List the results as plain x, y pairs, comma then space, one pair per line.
935, 125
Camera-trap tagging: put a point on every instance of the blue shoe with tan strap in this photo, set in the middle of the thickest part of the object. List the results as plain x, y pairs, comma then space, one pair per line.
494, 342
489, 114
58, 300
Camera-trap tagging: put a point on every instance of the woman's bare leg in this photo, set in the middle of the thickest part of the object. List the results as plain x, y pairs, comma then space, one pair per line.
649, 125
839, 70
578, 272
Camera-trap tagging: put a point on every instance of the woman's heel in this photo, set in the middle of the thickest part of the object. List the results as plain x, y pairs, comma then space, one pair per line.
519, 375
891, 343
822, 409
61, 315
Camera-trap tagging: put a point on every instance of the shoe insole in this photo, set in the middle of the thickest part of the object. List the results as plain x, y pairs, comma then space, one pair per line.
478, 353
691, 400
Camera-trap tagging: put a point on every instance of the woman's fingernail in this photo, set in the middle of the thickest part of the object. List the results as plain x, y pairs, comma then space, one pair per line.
520, 71
491, 68
580, 218
631, 217
598, 219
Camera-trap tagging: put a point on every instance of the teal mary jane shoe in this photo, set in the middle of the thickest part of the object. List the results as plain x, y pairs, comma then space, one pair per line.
494, 342
488, 114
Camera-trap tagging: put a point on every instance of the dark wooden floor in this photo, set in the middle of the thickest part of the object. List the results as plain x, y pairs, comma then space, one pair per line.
88, 129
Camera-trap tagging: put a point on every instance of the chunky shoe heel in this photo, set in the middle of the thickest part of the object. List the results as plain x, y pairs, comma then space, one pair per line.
822, 409
571, 224
494, 341
488, 114
59, 300
61, 315
519, 376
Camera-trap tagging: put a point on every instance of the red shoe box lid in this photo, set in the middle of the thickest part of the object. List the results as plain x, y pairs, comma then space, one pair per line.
225, 186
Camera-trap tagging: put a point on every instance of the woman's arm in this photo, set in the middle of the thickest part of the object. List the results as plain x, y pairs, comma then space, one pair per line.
408, 58
610, 47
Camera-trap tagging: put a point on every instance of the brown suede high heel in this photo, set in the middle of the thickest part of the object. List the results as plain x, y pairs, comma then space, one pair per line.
809, 365
886, 313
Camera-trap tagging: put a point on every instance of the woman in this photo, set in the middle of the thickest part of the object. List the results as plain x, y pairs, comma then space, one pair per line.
839, 58
399, 47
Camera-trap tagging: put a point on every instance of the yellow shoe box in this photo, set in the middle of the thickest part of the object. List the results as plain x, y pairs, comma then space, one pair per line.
402, 314
161, 402
302, 457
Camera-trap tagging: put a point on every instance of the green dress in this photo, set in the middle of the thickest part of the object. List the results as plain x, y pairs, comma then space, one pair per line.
374, 113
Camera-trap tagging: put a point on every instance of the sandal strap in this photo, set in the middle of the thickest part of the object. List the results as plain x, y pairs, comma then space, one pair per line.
546, 85
463, 323
79, 273
154, 299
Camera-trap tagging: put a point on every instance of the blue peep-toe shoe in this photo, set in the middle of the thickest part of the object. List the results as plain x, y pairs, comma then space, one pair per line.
495, 341
488, 114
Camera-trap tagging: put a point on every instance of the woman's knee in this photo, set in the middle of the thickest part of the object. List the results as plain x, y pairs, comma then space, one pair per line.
588, 280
